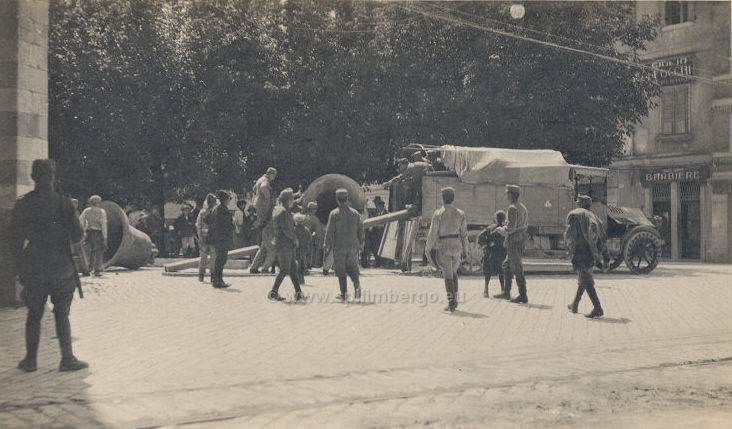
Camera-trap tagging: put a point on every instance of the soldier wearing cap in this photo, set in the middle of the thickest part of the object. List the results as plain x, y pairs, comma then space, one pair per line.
94, 222
285, 244
263, 200
448, 235
43, 225
220, 235
344, 237
515, 231
584, 238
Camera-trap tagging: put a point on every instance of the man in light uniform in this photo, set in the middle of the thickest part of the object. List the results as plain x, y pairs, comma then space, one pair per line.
515, 231
448, 235
344, 237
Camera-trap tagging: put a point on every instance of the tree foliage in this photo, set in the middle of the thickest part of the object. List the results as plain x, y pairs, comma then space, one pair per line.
162, 99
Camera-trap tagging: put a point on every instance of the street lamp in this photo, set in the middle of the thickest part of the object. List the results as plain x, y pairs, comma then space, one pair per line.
517, 11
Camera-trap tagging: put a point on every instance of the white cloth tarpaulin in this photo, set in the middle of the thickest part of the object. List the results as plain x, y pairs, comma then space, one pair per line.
476, 165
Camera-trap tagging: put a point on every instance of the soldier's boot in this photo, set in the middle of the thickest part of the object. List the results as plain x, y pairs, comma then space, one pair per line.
298, 292
356, 286
201, 274
69, 362
448, 290
578, 296
597, 308
343, 286
521, 283
32, 337
454, 291
274, 295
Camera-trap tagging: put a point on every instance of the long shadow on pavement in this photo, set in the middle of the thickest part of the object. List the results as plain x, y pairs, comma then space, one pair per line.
539, 306
622, 320
460, 313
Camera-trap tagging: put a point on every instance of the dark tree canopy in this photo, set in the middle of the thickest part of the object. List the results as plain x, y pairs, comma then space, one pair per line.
161, 99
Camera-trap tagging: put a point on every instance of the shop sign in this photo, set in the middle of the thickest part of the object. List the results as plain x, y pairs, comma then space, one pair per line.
667, 71
676, 174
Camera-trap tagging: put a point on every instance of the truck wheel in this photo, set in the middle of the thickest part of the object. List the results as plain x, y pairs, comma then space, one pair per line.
642, 251
473, 262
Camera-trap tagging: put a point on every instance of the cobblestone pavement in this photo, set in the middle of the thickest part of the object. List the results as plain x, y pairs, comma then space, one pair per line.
168, 350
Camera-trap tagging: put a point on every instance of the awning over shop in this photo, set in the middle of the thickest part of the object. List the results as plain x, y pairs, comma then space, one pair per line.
493, 165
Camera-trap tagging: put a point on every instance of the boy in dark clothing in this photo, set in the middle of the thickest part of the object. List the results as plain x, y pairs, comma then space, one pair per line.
494, 252
303, 250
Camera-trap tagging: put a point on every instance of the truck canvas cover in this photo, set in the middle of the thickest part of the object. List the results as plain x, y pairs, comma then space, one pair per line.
475, 165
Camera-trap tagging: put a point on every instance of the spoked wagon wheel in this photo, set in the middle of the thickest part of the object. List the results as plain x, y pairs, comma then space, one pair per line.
642, 252
473, 262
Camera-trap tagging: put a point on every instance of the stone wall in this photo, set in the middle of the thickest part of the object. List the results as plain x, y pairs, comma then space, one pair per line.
23, 112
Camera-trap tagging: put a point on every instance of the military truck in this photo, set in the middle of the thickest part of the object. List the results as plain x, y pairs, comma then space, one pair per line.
549, 188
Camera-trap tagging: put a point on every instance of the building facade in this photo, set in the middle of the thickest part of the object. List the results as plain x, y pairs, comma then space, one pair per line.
678, 163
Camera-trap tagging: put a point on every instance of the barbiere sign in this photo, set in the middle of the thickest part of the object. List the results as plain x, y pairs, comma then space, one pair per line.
676, 174
667, 70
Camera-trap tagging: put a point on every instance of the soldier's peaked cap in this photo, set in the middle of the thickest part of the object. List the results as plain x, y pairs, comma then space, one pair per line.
341, 192
95, 199
584, 201
448, 191
312, 205
514, 189
271, 170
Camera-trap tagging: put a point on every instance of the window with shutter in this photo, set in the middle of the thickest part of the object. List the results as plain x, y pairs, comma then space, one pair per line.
675, 110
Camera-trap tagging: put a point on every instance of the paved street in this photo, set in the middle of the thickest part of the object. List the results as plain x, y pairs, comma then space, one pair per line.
168, 350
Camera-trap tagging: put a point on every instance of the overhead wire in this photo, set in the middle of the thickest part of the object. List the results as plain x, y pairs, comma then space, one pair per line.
628, 63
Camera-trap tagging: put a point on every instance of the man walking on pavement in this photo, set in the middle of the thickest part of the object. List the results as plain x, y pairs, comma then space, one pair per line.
448, 235
582, 236
344, 237
220, 235
43, 226
517, 223
285, 243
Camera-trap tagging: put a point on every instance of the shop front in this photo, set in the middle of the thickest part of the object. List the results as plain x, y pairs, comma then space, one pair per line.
676, 198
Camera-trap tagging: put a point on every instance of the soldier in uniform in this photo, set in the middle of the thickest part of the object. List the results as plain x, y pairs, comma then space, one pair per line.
517, 218
285, 243
220, 235
344, 237
43, 226
583, 235
448, 235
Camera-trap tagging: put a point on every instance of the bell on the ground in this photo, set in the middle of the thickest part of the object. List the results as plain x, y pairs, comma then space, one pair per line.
322, 191
127, 246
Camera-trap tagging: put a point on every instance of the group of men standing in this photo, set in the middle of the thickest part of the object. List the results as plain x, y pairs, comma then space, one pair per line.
447, 246
292, 241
